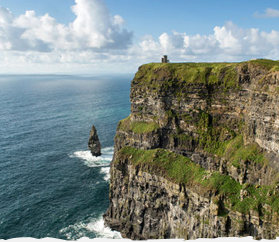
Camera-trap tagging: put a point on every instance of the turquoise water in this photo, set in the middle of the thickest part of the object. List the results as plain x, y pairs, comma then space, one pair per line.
50, 185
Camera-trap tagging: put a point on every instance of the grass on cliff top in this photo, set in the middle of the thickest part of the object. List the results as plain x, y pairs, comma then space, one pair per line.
182, 170
269, 65
188, 73
199, 73
137, 127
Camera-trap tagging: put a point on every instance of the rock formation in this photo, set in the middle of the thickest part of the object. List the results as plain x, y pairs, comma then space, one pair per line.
94, 143
198, 155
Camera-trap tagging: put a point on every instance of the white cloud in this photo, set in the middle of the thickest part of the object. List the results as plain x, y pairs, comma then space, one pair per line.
166, 42
93, 28
227, 43
268, 13
41, 34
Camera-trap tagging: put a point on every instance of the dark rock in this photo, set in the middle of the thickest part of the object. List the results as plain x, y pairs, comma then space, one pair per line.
94, 143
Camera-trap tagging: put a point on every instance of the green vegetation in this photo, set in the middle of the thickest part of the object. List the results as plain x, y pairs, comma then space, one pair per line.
269, 65
163, 76
182, 137
182, 170
211, 133
175, 167
187, 74
232, 149
219, 139
184, 79
137, 127
235, 150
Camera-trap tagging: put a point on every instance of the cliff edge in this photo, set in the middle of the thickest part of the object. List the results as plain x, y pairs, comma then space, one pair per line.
198, 155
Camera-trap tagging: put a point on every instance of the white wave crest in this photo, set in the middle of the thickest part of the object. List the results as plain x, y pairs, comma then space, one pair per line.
93, 161
74, 232
97, 226
105, 171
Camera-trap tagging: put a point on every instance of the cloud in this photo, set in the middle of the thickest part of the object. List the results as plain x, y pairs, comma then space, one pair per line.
11, 34
226, 43
268, 13
94, 28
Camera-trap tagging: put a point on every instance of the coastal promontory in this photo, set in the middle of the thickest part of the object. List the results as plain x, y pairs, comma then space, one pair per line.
198, 155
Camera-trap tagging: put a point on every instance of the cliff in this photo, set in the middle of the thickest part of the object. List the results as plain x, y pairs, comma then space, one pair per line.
198, 155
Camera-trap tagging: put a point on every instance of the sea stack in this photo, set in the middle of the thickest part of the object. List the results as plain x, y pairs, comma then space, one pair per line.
94, 143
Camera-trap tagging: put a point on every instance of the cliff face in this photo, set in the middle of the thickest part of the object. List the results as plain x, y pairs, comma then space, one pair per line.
198, 155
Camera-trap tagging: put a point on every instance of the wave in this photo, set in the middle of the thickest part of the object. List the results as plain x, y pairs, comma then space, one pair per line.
97, 226
105, 171
93, 161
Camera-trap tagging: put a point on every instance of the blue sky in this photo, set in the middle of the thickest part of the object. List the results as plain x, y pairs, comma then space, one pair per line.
101, 36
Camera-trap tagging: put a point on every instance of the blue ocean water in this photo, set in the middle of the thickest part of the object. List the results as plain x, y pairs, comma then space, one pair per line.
50, 185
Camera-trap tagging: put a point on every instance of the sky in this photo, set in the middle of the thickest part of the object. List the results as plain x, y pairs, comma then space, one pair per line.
117, 36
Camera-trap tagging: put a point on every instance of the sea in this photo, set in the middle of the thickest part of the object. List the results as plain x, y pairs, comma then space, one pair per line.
50, 184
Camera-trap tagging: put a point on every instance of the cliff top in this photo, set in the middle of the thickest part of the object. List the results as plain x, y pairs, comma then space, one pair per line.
266, 64
210, 73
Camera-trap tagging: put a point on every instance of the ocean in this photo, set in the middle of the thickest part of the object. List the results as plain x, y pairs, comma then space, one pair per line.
50, 184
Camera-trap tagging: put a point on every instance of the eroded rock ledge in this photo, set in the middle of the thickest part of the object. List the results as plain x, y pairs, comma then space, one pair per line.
198, 155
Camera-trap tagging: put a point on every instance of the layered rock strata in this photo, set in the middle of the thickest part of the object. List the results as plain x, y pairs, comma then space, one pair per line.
198, 155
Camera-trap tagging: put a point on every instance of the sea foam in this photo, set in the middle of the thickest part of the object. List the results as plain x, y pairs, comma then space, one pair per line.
105, 171
93, 161
97, 226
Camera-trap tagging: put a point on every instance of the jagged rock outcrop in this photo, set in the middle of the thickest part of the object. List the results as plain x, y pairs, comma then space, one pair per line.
94, 143
198, 155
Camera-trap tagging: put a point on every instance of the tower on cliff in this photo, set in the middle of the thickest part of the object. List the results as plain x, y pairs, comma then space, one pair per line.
165, 59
